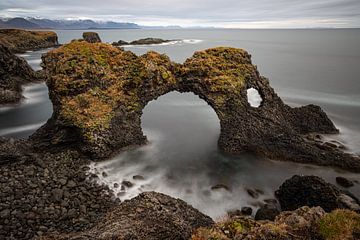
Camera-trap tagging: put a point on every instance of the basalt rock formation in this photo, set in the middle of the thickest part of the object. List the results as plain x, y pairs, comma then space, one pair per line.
149, 216
21, 40
91, 37
14, 72
99, 91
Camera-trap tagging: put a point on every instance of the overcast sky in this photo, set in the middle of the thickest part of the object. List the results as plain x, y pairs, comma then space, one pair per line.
220, 13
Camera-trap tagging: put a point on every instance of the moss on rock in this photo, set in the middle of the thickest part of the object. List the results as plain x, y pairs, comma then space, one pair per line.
18, 40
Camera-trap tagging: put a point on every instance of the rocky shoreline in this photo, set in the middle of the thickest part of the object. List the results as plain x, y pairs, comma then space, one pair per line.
53, 196
15, 71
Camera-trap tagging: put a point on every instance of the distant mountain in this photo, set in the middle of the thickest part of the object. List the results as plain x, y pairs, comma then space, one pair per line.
33, 23
18, 23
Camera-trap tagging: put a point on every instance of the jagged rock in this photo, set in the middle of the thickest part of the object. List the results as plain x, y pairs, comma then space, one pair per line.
313, 191
14, 71
91, 37
147, 41
150, 216
99, 91
21, 40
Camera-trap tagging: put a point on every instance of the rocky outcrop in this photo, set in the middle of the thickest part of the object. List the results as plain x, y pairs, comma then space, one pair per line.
150, 216
91, 37
21, 40
99, 92
14, 71
120, 43
313, 191
147, 41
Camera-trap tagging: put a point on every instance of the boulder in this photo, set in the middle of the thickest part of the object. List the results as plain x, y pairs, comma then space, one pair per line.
91, 37
313, 191
18, 40
150, 216
267, 212
98, 105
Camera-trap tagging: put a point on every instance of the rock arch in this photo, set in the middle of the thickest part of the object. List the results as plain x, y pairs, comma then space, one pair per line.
99, 91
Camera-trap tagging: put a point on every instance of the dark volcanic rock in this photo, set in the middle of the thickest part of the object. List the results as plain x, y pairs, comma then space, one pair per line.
267, 212
14, 72
313, 191
147, 41
344, 182
36, 197
110, 87
91, 37
150, 216
21, 40
120, 43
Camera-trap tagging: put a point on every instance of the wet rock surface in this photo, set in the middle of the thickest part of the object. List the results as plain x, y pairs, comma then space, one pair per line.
313, 191
99, 91
45, 193
19, 41
91, 37
14, 71
150, 216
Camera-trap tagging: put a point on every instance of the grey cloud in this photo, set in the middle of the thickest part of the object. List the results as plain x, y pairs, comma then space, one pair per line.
197, 12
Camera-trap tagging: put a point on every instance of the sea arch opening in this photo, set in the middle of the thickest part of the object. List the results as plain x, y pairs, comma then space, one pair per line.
181, 125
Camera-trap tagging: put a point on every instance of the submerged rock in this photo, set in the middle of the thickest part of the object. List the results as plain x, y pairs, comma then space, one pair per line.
91, 37
313, 191
99, 91
344, 182
14, 71
18, 40
150, 216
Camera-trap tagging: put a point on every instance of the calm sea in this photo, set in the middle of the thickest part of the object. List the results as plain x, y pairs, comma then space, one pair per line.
304, 66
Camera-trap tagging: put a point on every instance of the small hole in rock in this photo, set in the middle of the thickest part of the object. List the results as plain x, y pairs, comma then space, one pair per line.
254, 98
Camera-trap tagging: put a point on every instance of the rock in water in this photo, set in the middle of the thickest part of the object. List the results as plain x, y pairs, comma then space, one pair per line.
110, 87
150, 216
21, 40
91, 37
147, 41
14, 72
344, 182
120, 43
313, 191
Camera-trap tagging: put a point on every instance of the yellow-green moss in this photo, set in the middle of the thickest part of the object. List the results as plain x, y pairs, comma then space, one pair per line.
224, 70
339, 225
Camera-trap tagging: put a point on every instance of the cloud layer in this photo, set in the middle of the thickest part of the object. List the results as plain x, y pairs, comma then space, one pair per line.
225, 13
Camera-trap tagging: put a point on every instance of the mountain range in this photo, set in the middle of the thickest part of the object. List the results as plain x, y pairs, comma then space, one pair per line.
42, 23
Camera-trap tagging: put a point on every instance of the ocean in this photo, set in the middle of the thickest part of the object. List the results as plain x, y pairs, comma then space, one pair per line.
182, 160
